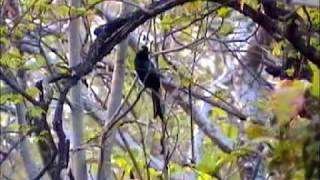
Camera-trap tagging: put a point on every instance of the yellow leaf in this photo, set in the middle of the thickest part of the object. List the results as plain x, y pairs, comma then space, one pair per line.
287, 100
255, 131
224, 12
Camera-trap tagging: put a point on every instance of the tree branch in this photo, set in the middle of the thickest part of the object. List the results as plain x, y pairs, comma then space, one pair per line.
289, 31
18, 89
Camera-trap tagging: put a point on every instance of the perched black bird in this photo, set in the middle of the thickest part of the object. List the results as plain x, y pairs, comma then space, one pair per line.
149, 76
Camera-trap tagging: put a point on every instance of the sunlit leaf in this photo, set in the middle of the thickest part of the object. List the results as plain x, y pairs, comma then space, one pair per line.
210, 163
35, 63
23, 128
12, 59
242, 151
3, 31
224, 12
218, 113
226, 29
254, 131
230, 130
154, 173
10, 98
277, 48
35, 111
288, 152
204, 176
32, 91
288, 99
193, 7
94, 1
175, 168
315, 86
123, 162
4, 42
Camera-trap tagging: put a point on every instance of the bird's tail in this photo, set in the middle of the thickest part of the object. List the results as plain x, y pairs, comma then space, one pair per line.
156, 104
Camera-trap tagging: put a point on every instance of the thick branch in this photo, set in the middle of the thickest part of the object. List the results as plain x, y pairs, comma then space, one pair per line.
290, 32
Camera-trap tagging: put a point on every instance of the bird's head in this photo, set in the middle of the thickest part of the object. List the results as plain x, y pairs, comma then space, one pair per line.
143, 52
144, 49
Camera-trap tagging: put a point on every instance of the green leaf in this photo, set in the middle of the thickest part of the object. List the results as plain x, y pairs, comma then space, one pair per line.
32, 91
290, 71
277, 48
165, 23
12, 59
91, 134
23, 128
286, 101
3, 31
175, 168
204, 176
225, 29
35, 111
218, 113
230, 130
10, 98
61, 10
315, 86
211, 163
252, 3
315, 42
254, 131
222, 94
35, 66
50, 39
186, 34
122, 162
242, 151
154, 173
224, 12
80, 11
94, 1
4, 42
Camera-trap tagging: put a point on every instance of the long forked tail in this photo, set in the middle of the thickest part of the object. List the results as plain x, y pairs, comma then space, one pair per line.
156, 104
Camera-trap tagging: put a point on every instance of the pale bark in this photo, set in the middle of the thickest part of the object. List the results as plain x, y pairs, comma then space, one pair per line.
105, 169
312, 3
29, 164
78, 158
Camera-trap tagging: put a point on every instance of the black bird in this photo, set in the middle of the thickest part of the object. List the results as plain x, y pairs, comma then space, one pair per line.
149, 76
106, 30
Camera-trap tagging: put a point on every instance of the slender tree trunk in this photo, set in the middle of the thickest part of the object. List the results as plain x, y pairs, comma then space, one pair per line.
105, 170
78, 158
29, 164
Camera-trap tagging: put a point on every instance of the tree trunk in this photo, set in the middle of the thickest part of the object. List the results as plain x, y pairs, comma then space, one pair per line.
105, 170
29, 164
78, 159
